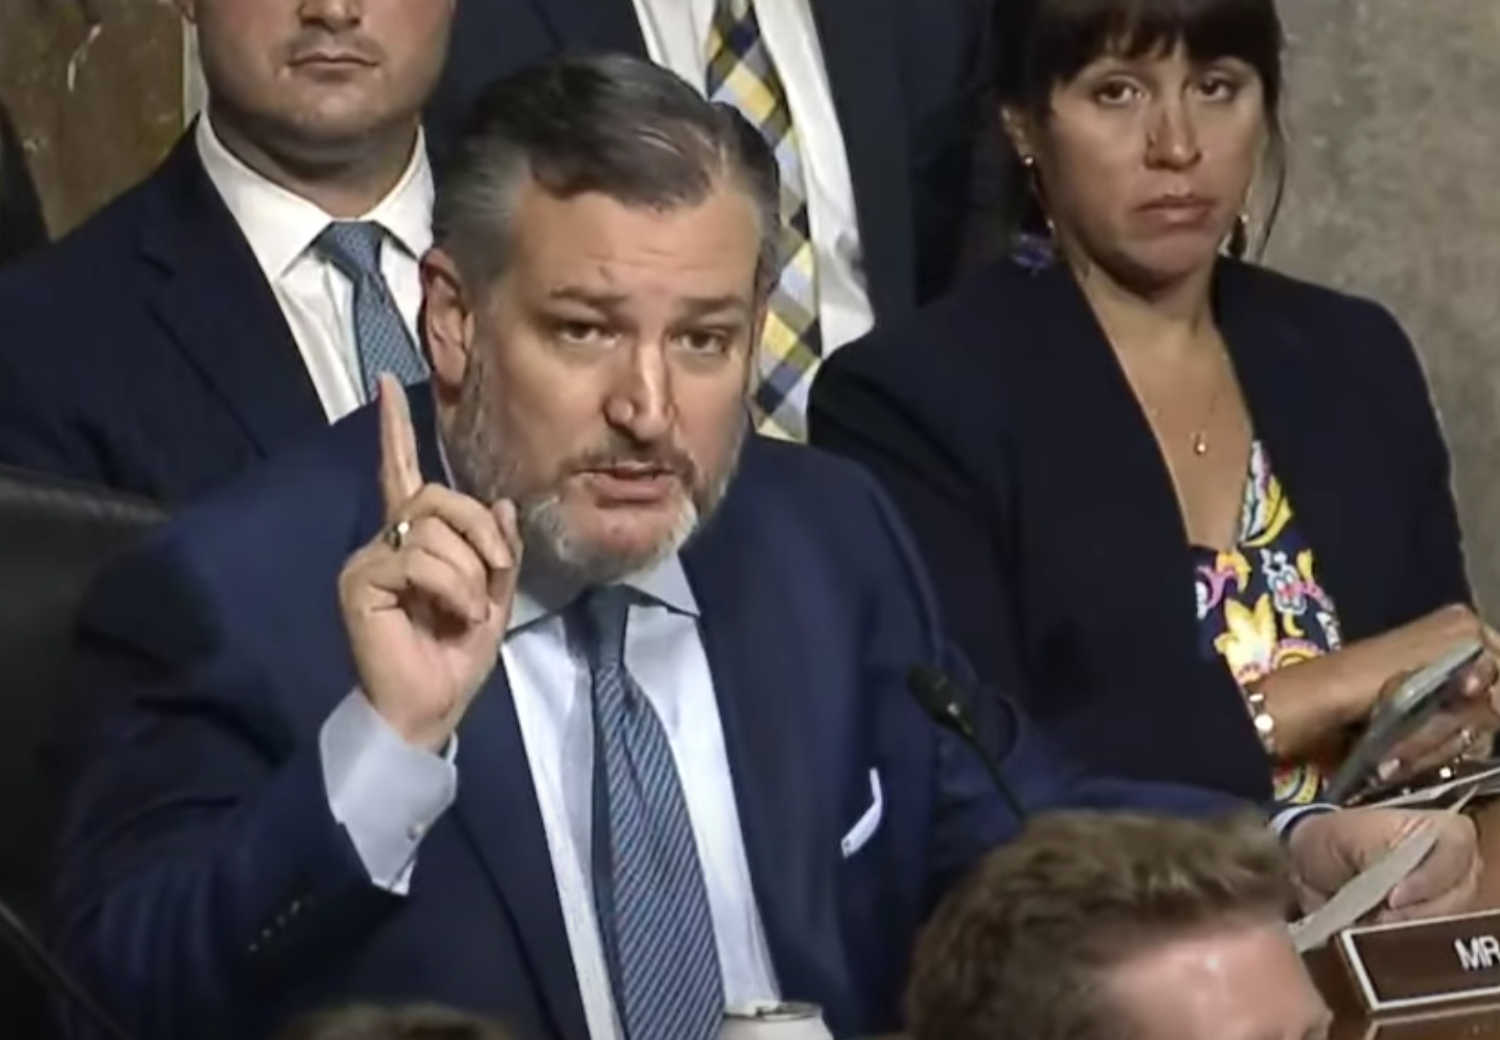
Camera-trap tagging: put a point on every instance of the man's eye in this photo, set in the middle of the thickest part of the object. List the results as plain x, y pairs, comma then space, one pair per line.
704, 341
579, 332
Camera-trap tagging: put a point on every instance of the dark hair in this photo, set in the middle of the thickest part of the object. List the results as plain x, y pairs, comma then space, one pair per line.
1040, 44
1019, 950
612, 124
417, 1022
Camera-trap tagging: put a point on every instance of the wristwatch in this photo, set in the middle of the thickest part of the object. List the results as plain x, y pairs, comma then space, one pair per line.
1262, 719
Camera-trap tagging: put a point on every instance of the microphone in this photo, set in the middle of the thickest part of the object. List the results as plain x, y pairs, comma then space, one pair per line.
943, 702
40, 964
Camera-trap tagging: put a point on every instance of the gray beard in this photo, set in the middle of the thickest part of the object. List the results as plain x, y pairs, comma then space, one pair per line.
554, 558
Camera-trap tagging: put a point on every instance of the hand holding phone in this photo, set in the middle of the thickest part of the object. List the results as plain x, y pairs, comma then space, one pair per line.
1420, 696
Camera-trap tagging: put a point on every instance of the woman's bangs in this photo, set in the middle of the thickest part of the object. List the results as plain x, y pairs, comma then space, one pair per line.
1083, 31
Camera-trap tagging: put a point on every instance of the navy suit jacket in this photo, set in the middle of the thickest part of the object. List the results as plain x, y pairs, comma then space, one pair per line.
205, 887
146, 351
1005, 430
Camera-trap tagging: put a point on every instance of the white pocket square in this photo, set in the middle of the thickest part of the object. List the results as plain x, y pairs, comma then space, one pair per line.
869, 822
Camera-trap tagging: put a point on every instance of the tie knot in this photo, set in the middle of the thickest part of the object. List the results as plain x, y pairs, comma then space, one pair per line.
353, 247
605, 611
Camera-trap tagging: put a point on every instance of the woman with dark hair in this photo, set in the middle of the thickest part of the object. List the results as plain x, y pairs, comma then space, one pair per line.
1195, 513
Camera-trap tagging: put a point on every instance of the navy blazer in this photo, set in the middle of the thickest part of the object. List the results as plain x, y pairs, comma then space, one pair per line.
1006, 431
911, 87
147, 351
205, 888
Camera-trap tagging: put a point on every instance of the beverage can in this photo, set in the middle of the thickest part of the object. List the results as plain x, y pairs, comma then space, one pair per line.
774, 1020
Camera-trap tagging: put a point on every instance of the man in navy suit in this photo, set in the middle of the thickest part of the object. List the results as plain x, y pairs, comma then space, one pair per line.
232, 303
555, 696
194, 328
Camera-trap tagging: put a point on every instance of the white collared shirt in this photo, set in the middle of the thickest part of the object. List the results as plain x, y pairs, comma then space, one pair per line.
316, 298
388, 794
676, 34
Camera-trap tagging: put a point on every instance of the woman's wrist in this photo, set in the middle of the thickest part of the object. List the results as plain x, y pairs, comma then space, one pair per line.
1263, 719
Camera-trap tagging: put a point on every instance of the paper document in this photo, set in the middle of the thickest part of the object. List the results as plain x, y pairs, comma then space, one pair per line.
1365, 892
1482, 783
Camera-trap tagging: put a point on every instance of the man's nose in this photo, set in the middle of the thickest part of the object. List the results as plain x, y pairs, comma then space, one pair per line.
334, 14
642, 403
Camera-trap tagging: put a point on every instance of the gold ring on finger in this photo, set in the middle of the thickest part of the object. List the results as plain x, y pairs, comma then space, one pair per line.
395, 535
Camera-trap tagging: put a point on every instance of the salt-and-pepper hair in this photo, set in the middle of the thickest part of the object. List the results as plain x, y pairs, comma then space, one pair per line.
608, 124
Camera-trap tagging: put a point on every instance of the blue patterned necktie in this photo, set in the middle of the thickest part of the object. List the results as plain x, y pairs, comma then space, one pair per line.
380, 335
648, 884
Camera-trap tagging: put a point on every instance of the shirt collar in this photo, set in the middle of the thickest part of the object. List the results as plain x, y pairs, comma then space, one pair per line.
665, 584
280, 225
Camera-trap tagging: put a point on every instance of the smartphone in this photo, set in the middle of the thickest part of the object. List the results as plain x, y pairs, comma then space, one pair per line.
1420, 696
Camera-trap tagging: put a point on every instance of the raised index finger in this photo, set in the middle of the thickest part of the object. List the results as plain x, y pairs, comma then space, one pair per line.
400, 472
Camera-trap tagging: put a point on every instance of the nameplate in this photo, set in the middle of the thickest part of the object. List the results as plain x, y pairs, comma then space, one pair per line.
1418, 965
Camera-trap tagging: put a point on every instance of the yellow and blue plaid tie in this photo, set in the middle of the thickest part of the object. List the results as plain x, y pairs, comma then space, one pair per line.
741, 73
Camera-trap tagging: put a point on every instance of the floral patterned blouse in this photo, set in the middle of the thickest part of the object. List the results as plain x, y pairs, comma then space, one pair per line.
1260, 607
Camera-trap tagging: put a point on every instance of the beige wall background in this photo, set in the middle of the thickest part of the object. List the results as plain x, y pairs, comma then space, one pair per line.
94, 90
1394, 118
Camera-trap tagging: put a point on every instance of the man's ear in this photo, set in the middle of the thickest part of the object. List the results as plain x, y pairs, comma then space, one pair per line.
448, 321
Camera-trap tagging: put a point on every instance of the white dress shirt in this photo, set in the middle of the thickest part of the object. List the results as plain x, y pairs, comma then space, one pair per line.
388, 794
316, 298
676, 33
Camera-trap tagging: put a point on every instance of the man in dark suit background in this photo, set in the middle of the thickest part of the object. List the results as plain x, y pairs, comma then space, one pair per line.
222, 333
413, 711
893, 140
245, 292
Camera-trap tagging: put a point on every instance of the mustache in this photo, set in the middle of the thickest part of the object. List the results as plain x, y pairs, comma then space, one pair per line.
623, 454
312, 44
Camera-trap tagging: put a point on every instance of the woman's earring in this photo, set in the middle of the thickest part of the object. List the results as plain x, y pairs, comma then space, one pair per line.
1239, 238
1031, 251
1034, 176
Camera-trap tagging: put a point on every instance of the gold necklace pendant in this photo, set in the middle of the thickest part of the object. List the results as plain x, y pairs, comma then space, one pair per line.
1200, 444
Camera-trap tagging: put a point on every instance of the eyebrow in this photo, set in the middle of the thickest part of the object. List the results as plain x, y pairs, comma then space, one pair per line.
610, 303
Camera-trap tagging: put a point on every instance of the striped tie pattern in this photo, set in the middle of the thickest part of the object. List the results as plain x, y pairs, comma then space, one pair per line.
380, 336
741, 73
648, 883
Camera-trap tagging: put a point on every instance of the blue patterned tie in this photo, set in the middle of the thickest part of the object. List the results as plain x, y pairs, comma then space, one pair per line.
380, 336
648, 884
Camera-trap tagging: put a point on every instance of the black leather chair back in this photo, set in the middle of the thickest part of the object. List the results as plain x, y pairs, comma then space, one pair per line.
54, 538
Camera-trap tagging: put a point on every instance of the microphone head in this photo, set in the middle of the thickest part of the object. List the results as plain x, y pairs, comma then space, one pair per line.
934, 691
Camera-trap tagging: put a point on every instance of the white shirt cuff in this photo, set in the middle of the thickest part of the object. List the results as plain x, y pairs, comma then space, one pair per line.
1282, 822
385, 793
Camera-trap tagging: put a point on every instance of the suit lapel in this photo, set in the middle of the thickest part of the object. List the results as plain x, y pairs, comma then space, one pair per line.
773, 736
1317, 455
859, 50
217, 306
496, 807
601, 25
